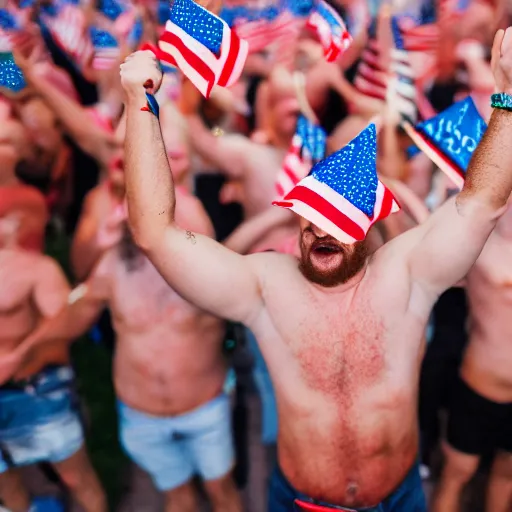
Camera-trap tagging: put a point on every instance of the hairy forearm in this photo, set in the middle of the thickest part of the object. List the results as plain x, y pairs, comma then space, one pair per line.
489, 176
149, 184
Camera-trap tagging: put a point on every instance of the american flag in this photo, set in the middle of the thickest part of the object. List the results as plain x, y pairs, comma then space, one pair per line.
396, 84
307, 149
419, 37
450, 138
67, 28
331, 30
342, 195
203, 46
263, 32
277, 35
12, 31
106, 49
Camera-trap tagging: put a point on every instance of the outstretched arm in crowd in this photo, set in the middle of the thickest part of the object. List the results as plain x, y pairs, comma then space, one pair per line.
49, 294
76, 121
197, 267
251, 231
455, 234
226, 153
74, 316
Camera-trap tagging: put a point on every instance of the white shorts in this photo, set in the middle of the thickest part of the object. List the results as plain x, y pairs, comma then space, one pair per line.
174, 449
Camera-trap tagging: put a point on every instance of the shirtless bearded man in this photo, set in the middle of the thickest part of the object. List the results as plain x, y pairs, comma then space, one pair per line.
38, 416
341, 331
480, 421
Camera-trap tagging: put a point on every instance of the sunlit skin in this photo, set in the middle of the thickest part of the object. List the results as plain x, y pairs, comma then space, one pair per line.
344, 359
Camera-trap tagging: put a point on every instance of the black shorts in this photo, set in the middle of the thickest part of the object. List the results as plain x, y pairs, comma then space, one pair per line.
477, 425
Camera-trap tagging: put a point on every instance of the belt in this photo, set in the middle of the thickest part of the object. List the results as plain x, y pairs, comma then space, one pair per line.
19, 385
32, 382
313, 507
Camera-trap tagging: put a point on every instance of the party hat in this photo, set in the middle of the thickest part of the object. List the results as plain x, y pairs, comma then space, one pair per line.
342, 195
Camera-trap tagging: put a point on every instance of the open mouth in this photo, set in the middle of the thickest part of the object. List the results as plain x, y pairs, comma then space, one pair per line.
326, 248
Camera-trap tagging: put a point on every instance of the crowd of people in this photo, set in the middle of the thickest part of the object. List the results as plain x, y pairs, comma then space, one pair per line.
376, 330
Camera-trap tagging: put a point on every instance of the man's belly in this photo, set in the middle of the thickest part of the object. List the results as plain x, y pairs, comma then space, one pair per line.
172, 380
486, 367
349, 464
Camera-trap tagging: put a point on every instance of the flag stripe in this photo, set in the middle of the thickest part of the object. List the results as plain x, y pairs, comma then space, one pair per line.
327, 210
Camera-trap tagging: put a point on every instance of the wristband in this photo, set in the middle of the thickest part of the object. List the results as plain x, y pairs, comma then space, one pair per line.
152, 105
502, 101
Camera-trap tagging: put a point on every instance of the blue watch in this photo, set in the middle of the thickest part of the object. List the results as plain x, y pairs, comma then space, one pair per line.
502, 101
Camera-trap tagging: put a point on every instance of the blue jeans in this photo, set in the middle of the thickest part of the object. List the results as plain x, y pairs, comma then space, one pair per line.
409, 497
39, 420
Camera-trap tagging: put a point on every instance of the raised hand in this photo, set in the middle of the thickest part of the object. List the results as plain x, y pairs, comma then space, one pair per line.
501, 62
140, 73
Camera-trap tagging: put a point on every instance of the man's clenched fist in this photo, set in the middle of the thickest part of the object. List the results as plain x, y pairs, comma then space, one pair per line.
140, 73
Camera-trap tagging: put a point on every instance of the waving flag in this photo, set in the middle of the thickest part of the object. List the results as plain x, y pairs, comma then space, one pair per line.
67, 28
418, 36
106, 49
12, 31
274, 28
307, 149
203, 46
342, 195
403, 85
374, 80
331, 30
450, 138
371, 78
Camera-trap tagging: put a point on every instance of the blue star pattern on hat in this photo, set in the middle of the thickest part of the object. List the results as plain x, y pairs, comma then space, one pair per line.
352, 171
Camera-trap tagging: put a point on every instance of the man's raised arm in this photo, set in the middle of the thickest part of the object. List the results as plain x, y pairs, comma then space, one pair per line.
197, 267
443, 249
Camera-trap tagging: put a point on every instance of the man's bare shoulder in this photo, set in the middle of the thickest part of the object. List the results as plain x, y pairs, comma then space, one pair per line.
271, 267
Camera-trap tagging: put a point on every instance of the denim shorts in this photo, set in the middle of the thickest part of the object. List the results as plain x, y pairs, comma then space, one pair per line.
39, 420
408, 497
173, 449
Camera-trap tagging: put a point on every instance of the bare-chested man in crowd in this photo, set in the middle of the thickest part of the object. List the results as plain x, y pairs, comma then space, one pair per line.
341, 332
18, 200
169, 370
480, 421
39, 420
250, 167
